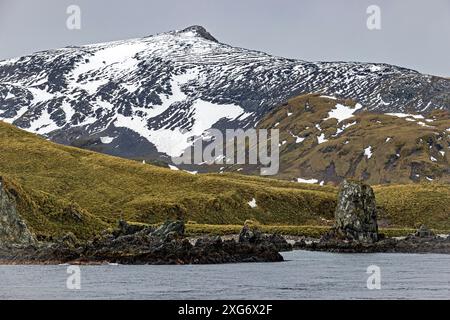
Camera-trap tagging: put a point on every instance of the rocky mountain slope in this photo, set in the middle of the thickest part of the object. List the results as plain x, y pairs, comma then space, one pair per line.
324, 140
143, 98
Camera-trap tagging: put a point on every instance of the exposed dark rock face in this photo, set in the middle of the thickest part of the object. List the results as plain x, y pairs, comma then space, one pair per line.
423, 241
249, 235
170, 229
165, 245
252, 235
13, 230
356, 216
411, 244
201, 32
356, 229
424, 232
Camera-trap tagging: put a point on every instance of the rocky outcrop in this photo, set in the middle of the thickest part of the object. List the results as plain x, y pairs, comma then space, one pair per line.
424, 232
13, 230
356, 228
164, 245
355, 215
422, 241
252, 235
170, 230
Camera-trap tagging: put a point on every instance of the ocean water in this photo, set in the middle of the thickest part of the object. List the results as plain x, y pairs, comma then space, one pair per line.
304, 275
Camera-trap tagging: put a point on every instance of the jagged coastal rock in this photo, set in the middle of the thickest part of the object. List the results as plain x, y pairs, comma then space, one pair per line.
410, 244
356, 213
252, 235
356, 228
424, 232
146, 245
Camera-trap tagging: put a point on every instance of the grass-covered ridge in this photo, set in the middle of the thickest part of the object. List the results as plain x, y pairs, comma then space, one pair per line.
51, 216
377, 148
62, 189
111, 188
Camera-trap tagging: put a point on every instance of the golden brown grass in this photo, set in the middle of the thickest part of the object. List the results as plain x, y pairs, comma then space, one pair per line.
62, 189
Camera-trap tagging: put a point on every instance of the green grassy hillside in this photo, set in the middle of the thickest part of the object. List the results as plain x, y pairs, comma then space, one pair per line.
110, 188
60, 189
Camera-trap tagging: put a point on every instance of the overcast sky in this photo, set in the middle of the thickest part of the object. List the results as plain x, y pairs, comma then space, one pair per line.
414, 33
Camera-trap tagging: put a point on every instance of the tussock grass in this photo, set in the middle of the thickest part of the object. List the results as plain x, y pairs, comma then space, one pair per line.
406, 157
60, 189
49, 216
415, 204
110, 188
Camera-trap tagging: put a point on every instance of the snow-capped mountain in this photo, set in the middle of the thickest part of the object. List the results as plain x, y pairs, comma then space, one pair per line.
143, 98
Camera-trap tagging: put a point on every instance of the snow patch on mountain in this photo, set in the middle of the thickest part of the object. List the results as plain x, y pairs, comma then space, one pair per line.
368, 152
309, 181
173, 141
40, 95
107, 140
252, 203
405, 115
321, 139
342, 112
298, 139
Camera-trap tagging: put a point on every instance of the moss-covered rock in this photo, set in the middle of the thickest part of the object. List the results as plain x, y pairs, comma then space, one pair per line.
13, 230
356, 213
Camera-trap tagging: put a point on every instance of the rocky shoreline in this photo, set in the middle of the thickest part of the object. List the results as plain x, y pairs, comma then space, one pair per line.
356, 228
147, 245
409, 244
169, 248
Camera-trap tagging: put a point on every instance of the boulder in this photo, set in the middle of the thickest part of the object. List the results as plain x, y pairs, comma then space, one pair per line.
279, 242
356, 215
249, 234
165, 245
252, 235
424, 232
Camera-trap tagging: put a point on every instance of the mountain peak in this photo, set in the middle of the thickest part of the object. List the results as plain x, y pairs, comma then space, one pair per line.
199, 31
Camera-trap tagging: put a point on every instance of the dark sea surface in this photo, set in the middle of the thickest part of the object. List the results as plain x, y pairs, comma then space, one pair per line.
304, 275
